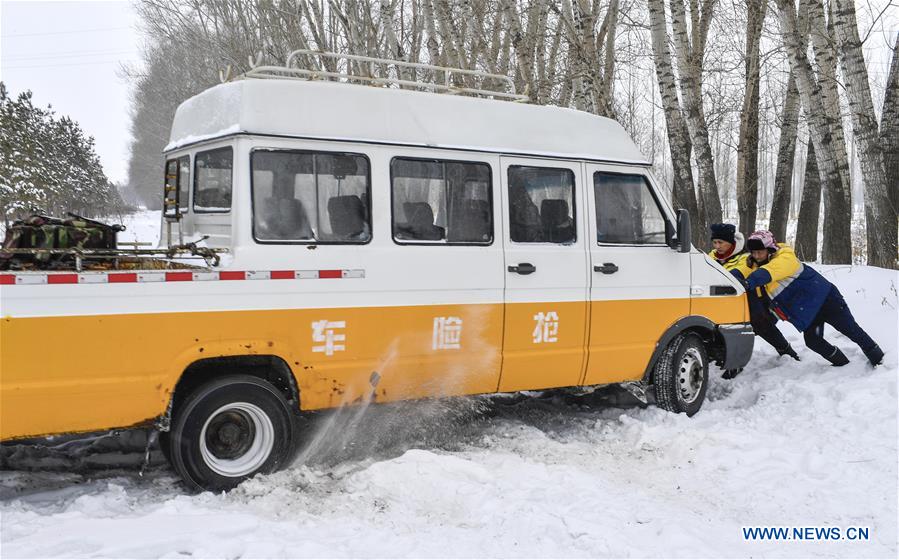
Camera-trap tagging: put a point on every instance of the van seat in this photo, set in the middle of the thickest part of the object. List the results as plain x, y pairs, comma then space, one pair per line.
347, 216
557, 224
284, 218
420, 222
471, 222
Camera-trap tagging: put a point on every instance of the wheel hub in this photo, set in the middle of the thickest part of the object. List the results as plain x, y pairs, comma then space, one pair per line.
230, 434
690, 375
237, 439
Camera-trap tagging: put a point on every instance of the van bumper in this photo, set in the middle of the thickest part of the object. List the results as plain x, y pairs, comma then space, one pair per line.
738, 342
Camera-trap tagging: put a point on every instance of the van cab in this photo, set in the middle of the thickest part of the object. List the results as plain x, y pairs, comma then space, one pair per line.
383, 244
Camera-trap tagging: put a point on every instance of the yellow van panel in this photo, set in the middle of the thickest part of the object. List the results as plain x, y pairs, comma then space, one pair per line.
86, 373
623, 335
70, 374
543, 345
721, 309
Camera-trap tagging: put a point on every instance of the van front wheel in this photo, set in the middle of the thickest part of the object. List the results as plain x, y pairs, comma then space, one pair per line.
681, 375
228, 430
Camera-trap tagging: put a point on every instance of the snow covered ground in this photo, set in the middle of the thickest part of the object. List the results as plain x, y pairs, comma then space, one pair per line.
784, 444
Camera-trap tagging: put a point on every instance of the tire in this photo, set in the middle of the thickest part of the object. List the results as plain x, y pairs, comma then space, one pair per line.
229, 430
681, 375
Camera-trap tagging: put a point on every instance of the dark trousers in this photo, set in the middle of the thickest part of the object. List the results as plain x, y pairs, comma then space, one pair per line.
835, 313
764, 323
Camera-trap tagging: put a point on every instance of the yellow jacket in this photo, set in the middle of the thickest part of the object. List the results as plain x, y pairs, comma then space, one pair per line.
782, 268
737, 261
797, 291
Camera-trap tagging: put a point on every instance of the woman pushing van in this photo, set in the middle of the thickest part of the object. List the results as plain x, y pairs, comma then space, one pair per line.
803, 297
728, 249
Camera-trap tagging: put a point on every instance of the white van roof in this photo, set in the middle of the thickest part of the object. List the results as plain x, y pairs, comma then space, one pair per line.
341, 111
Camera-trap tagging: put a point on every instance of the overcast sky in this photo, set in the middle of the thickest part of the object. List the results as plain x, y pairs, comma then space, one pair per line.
69, 54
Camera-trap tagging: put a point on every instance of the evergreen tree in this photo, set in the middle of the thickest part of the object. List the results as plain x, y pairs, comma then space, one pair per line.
48, 164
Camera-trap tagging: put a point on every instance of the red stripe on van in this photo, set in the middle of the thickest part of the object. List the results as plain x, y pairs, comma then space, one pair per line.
283, 275
124, 277
62, 279
7, 279
232, 275
179, 276
330, 274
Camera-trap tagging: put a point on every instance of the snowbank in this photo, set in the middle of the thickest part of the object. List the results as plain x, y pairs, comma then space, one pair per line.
784, 444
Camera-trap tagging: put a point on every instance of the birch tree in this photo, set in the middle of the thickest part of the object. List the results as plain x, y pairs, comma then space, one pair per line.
786, 155
889, 127
684, 194
748, 147
820, 132
837, 242
690, 50
809, 208
882, 227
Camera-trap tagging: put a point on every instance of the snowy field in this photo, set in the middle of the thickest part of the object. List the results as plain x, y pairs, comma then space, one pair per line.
784, 444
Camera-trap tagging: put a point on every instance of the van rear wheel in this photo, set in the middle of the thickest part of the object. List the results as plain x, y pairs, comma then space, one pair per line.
229, 430
681, 375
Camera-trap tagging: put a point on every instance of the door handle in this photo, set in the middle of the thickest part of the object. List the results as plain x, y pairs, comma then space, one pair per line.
523, 268
606, 268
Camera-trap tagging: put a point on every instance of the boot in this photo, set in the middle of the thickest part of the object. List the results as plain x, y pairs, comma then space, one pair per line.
788, 351
875, 355
731, 373
838, 358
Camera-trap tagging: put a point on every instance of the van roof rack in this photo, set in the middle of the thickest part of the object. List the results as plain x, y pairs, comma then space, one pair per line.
291, 71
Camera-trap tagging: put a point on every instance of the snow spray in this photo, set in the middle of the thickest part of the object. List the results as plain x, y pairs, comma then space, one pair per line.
391, 429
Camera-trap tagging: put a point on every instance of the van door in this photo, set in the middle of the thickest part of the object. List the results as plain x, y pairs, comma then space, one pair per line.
639, 286
546, 274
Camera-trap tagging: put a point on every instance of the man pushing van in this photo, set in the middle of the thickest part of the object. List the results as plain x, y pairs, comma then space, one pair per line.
729, 250
799, 294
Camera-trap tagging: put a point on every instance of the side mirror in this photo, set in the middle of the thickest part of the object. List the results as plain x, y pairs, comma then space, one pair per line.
684, 231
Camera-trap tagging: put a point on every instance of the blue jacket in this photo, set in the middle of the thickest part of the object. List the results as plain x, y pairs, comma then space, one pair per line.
796, 290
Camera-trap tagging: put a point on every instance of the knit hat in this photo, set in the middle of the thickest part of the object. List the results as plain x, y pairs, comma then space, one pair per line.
724, 232
761, 239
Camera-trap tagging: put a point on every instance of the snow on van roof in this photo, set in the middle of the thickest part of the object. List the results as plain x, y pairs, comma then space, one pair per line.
340, 111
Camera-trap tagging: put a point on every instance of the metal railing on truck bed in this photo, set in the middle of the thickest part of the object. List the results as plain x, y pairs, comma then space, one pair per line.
45, 243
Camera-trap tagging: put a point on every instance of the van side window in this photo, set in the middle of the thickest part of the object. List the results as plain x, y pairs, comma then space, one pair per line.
541, 205
183, 182
310, 197
212, 180
626, 211
170, 192
446, 202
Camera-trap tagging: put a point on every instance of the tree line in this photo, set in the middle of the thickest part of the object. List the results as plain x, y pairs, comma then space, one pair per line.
720, 73
48, 164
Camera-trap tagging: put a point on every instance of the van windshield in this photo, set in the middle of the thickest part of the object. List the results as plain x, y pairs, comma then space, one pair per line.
310, 197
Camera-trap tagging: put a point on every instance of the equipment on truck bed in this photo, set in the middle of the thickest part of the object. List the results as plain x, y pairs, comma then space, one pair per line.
41, 242
46, 233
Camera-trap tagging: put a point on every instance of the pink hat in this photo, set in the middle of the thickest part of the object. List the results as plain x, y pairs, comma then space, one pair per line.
761, 239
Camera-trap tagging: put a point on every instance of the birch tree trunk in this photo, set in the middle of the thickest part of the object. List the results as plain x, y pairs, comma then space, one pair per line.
748, 146
683, 193
690, 52
819, 129
837, 242
608, 67
786, 152
781, 200
882, 216
889, 128
809, 208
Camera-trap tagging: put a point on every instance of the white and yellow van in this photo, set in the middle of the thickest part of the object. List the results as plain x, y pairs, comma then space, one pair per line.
384, 244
